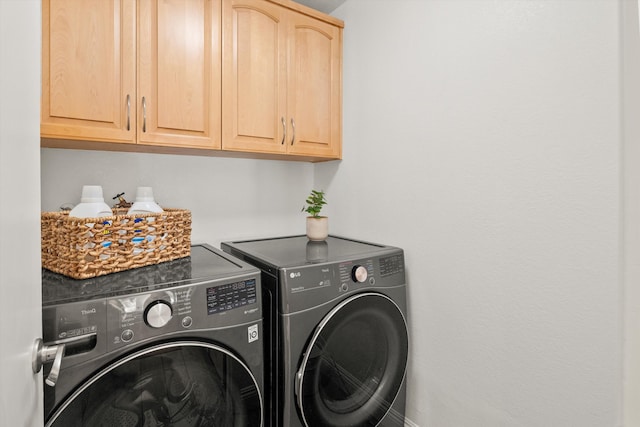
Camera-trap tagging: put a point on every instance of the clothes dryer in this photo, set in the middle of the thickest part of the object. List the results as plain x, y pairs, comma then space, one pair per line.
335, 330
173, 344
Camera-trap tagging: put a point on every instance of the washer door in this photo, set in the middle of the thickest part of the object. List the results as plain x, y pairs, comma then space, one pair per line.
354, 364
177, 384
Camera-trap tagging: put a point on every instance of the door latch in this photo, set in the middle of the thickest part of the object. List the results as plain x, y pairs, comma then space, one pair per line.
44, 354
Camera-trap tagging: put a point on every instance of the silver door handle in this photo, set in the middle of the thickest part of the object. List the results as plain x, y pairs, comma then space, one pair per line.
293, 126
45, 353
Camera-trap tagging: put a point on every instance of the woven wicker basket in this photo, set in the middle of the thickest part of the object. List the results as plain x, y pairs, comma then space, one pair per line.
82, 248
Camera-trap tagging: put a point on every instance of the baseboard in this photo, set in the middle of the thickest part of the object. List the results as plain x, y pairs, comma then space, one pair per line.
409, 423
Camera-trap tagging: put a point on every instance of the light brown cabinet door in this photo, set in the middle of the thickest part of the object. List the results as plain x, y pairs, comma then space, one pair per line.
254, 76
281, 81
88, 70
179, 73
314, 87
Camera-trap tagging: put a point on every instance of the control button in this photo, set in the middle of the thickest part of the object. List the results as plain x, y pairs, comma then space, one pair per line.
158, 314
359, 274
187, 321
127, 335
344, 287
372, 281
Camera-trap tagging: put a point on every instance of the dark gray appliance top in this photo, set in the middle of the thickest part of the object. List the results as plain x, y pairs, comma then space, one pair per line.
296, 251
204, 263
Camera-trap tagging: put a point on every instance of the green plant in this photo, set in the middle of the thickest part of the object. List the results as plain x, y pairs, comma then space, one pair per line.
314, 203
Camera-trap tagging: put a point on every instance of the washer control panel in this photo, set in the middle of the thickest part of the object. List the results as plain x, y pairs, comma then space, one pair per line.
231, 295
216, 304
357, 272
311, 285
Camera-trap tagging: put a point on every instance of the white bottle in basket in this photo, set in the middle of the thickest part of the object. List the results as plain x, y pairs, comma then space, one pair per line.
144, 204
92, 205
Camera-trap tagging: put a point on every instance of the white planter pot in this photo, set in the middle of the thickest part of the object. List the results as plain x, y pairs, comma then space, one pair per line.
317, 227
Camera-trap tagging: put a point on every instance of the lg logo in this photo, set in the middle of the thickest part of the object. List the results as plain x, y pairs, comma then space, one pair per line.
294, 275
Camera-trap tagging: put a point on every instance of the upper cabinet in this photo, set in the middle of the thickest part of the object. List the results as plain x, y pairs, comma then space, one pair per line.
179, 73
260, 78
314, 87
254, 74
282, 81
128, 71
89, 70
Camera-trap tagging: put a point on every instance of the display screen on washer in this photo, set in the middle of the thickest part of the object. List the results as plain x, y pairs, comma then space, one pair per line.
232, 295
391, 265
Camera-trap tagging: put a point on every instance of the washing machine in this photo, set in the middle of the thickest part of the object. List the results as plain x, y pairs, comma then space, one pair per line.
336, 332
173, 344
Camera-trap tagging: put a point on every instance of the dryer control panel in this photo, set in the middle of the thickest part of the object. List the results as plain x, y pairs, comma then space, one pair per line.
312, 285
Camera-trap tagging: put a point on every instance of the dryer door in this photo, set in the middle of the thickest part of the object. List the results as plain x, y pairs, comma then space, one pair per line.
354, 364
177, 384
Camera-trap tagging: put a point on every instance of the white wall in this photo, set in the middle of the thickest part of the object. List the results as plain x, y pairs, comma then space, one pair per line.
484, 138
228, 198
20, 291
631, 212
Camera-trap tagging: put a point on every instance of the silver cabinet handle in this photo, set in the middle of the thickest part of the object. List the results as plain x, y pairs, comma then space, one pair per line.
144, 114
293, 126
284, 130
128, 112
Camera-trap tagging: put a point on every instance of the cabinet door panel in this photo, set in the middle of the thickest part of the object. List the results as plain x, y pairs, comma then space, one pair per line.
88, 70
254, 73
179, 73
315, 87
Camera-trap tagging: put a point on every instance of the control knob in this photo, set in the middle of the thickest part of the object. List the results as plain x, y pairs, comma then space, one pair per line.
158, 314
359, 274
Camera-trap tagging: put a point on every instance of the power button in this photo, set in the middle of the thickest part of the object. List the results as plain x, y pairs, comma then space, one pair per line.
187, 321
126, 335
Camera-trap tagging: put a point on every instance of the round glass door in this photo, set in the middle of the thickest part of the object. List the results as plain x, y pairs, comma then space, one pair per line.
354, 364
181, 384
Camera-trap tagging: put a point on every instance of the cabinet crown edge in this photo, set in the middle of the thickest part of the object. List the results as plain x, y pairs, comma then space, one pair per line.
290, 4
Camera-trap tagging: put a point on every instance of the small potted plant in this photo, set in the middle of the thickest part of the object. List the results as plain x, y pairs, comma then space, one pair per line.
317, 225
